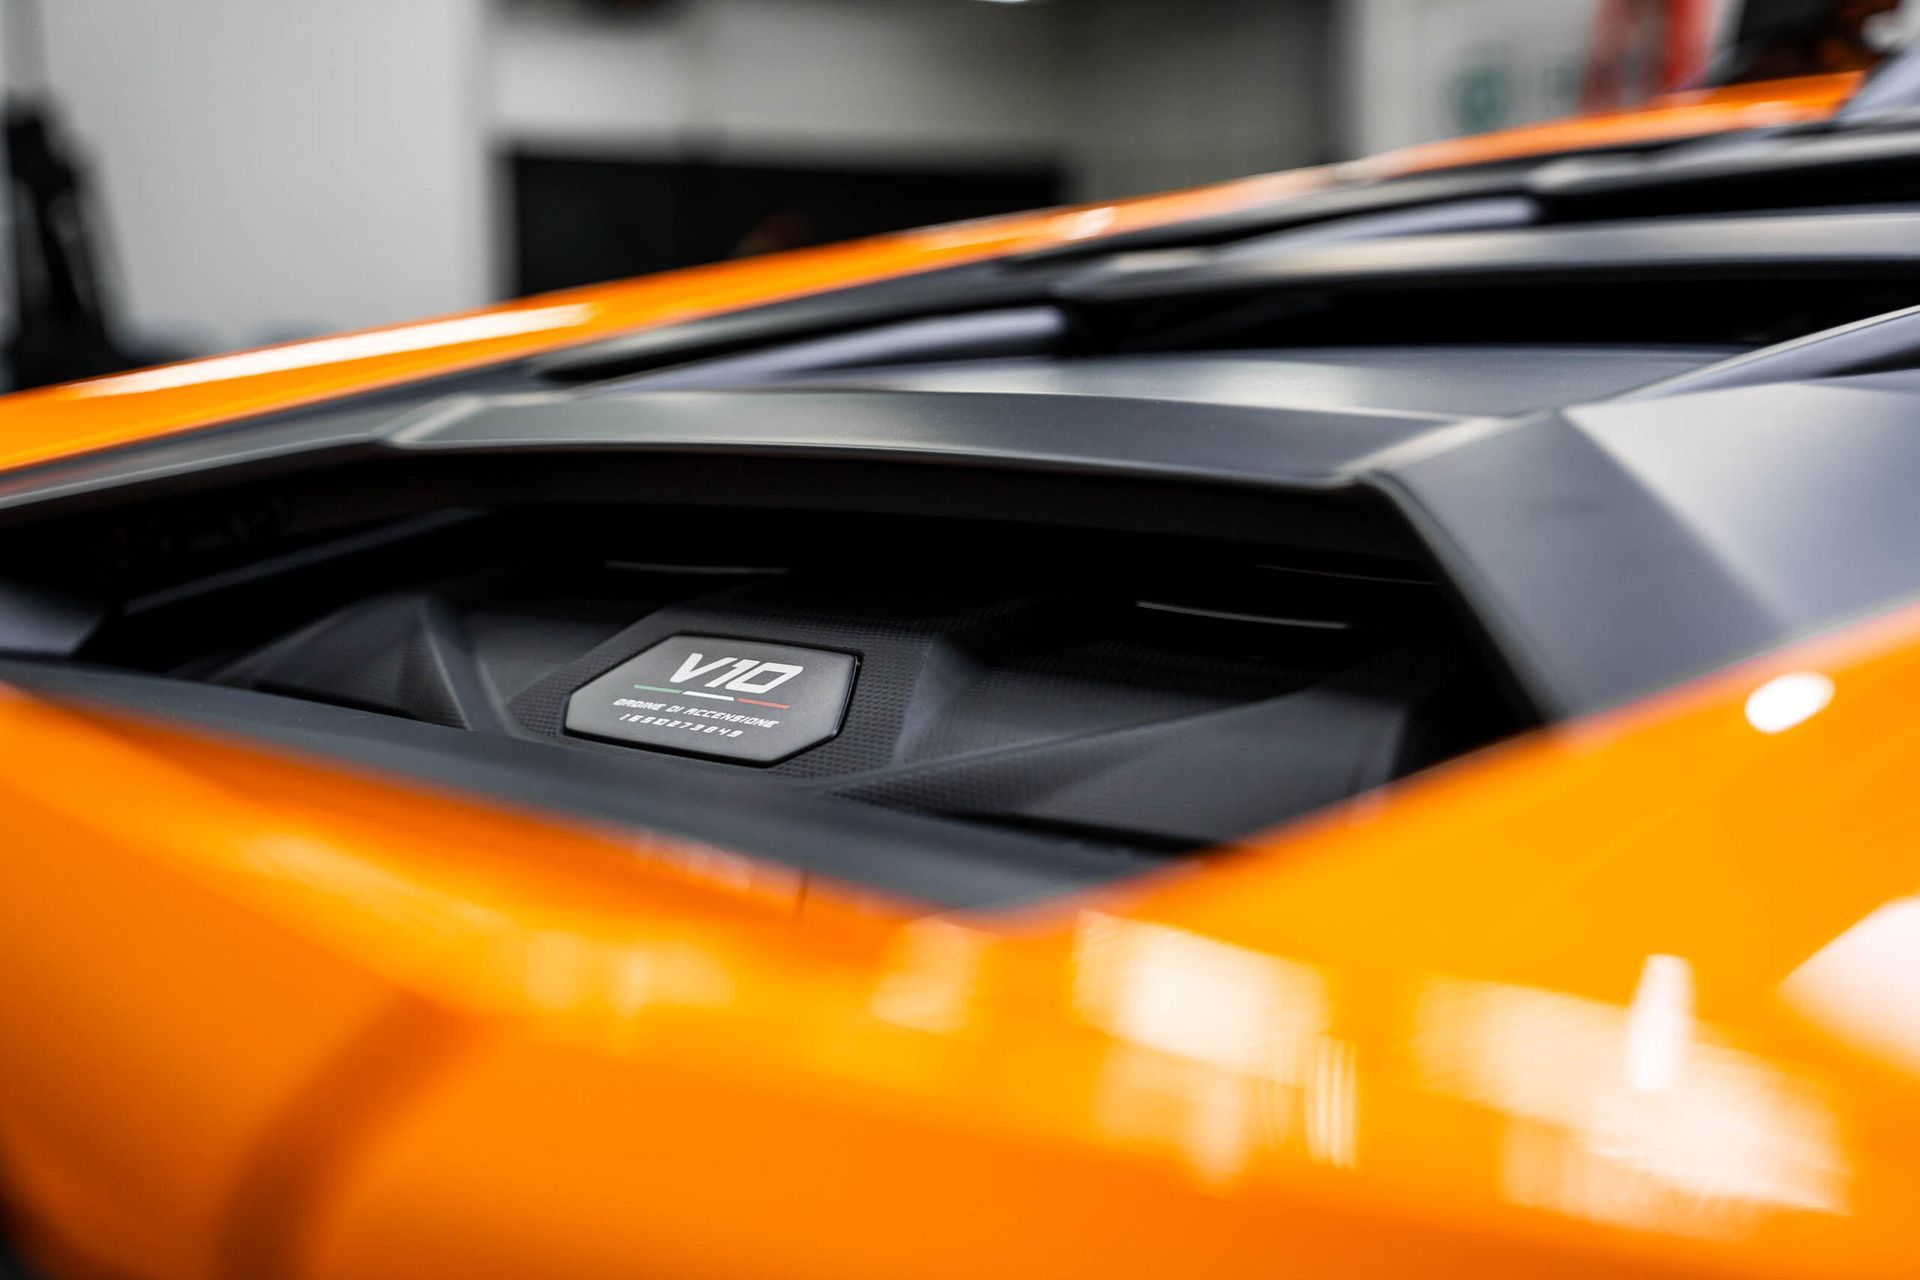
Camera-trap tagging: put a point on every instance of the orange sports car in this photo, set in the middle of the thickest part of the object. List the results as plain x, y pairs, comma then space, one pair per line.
1353, 723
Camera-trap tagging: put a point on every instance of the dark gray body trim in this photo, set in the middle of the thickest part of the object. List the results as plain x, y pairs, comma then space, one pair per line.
1779, 160
1093, 435
1300, 210
1607, 550
1432, 382
1890, 341
1485, 214
946, 292
1868, 245
976, 335
1226, 444
1616, 548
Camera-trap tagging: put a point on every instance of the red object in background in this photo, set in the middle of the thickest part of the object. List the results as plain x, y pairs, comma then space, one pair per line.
1689, 41
1641, 48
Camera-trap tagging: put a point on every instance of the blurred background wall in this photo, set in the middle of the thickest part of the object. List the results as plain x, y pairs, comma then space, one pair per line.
265, 169
269, 168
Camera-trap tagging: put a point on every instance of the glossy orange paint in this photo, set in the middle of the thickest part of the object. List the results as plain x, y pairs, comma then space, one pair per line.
54, 422
1760, 105
1634, 996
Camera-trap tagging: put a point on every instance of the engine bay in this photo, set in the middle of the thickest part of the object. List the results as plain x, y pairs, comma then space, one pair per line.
1135, 694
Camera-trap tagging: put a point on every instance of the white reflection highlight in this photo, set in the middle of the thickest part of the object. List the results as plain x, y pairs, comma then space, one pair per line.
1092, 222
1659, 1024
1222, 1052
1332, 1085
1192, 997
576, 965
352, 346
1206, 1116
930, 981
1785, 701
1730, 1135
1862, 986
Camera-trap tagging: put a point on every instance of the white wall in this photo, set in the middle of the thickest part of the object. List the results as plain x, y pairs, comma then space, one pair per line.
1407, 62
272, 168
1130, 95
1167, 96
887, 79
277, 167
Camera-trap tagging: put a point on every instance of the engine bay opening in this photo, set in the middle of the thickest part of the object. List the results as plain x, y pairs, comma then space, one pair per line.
1135, 695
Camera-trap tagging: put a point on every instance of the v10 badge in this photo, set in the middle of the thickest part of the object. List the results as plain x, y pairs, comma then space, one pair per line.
712, 696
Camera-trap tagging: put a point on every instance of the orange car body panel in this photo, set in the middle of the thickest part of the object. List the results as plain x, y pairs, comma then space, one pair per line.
1631, 996
1765, 104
